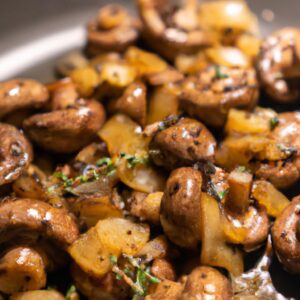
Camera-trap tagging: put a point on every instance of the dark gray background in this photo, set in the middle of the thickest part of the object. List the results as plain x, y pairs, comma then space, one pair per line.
25, 21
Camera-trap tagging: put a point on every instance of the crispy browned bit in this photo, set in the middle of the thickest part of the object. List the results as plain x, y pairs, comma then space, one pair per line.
279, 65
172, 30
285, 236
180, 207
112, 30
67, 130
132, 103
21, 93
285, 173
15, 153
206, 282
182, 144
210, 94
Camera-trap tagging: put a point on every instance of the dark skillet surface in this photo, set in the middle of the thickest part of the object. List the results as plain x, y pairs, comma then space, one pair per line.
24, 22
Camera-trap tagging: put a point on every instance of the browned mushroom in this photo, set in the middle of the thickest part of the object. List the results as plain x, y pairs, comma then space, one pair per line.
27, 265
171, 30
112, 30
279, 65
163, 269
180, 207
132, 102
182, 144
284, 173
209, 95
286, 237
166, 290
15, 153
21, 269
67, 130
206, 283
249, 224
21, 93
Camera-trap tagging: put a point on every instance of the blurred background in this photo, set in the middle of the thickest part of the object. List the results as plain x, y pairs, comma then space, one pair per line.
33, 33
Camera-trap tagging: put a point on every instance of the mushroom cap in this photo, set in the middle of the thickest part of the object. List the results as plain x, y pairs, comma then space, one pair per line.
15, 153
67, 130
279, 64
38, 217
285, 233
180, 207
182, 144
210, 94
21, 93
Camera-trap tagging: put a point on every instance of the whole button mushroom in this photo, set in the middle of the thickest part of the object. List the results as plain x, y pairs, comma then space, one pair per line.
24, 267
67, 130
210, 94
284, 173
182, 144
279, 65
112, 30
180, 207
15, 153
206, 283
171, 30
286, 237
20, 94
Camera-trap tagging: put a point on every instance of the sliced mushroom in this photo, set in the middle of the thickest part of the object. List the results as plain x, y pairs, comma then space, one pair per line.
171, 30
206, 283
21, 269
279, 65
21, 93
249, 224
112, 30
209, 95
132, 103
284, 173
15, 153
182, 144
286, 237
180, 207
37, 217
67, 130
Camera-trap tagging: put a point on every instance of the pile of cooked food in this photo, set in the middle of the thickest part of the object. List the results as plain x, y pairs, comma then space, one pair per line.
153, 167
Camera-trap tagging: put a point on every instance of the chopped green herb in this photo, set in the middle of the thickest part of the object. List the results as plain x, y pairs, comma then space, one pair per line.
241, 169
104, 161
222, 194
134, 160
219, 74
274, 122
168, 122
70, 291
113, 259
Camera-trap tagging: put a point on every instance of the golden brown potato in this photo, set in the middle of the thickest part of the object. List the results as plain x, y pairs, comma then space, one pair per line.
38, 295
215, 249
180, 207
166, 290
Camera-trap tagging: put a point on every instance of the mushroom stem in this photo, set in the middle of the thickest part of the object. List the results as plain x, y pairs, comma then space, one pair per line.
240, 184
